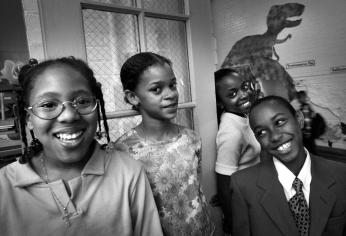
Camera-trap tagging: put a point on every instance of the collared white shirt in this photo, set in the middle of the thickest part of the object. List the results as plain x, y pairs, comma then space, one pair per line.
286, 177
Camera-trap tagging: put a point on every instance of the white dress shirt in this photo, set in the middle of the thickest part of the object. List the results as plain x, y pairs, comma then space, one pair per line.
286, 177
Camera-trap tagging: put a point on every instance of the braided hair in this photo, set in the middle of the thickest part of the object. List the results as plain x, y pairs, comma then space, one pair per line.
27, 77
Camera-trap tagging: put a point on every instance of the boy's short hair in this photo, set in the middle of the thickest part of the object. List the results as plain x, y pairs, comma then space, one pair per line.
274, 99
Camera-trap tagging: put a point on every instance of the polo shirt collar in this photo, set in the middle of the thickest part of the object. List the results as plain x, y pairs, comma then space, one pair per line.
97, 162
25, 175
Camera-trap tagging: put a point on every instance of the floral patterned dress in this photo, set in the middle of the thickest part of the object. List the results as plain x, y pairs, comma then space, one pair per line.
173, 169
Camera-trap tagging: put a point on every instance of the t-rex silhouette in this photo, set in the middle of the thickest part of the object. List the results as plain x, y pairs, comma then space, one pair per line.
263, 44
258, 50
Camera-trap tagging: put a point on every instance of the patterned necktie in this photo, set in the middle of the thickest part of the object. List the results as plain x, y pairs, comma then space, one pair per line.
299, 208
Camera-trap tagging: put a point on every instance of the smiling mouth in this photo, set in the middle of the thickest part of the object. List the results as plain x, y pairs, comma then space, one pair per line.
69, 137
284, 148
245, 104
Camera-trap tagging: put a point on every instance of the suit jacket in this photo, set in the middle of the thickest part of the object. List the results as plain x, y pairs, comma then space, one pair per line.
259, 205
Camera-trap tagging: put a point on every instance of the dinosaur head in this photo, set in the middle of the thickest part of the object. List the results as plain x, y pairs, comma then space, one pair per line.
279, 16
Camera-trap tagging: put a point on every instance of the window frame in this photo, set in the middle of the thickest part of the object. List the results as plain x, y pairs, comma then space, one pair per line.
141, 13
63, 36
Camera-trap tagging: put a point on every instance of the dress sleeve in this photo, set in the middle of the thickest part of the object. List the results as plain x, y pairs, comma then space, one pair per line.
240, 215
229, 145
145, 217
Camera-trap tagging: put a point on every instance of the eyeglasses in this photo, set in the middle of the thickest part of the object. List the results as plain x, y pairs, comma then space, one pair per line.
51, 109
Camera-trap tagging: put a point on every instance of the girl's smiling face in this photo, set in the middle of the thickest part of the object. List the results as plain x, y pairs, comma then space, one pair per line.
234, 94
66, 138
156, 93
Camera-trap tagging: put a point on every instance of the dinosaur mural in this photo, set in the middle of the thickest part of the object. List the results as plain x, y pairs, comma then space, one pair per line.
258, 51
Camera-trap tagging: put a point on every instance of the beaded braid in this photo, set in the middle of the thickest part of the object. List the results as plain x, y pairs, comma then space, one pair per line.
29, 73
99, 96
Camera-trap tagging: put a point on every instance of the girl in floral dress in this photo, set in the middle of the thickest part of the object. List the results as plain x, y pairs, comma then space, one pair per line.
171, 153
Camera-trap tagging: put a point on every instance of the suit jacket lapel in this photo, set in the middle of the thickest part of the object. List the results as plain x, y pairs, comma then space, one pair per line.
321, 198
274, 200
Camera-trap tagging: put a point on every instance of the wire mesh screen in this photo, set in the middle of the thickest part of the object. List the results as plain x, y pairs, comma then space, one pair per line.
168, 6
118, 2
168, 38
119, 126
110, 39
185, 117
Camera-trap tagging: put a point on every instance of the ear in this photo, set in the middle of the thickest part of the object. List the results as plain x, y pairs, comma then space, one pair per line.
131, 97
300, 118
28, 121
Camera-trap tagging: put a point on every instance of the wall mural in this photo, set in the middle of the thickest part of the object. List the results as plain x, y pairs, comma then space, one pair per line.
258, 52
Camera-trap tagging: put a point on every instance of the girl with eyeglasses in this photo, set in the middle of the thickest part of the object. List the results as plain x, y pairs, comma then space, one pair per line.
65, 183
237, 147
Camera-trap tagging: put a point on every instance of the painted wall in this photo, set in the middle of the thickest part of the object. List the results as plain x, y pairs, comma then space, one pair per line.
321, 37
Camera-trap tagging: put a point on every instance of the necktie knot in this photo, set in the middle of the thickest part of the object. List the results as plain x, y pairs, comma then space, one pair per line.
297, 185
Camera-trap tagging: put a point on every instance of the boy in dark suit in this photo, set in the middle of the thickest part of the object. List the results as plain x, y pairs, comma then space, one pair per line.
292, 193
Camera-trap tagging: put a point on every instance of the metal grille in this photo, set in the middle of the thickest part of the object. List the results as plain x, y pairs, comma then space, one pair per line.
185, 117
168, 38
118, 2
110, 39
168, 6
119, 126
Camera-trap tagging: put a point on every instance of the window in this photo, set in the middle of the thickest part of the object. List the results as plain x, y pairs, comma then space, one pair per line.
115, 30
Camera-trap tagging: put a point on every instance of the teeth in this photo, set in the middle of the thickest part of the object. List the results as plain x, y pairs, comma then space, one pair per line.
284, 146
65, 136
246, 104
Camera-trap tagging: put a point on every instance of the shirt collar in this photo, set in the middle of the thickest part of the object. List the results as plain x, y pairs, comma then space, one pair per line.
97, 162
25, 175
286, 177
236, 117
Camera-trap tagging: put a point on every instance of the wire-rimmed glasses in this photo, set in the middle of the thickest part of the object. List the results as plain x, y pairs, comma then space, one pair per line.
50, 109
